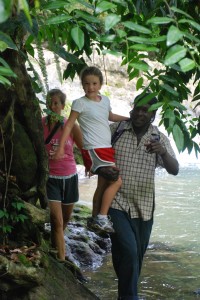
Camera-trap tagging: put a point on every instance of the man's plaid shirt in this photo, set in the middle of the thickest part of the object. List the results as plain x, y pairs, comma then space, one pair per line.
137, 169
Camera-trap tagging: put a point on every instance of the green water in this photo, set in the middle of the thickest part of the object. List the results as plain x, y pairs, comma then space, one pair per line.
171, 268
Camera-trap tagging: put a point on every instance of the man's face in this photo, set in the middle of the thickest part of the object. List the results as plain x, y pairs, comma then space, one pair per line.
141, 116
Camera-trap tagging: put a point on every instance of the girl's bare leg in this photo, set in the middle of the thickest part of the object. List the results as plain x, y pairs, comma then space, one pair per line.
57, 235
109, 194
102, 184
66, 212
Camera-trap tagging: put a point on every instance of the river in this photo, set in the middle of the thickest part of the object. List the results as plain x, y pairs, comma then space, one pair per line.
172, 261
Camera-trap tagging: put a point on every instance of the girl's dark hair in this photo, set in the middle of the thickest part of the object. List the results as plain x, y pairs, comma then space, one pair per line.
91, 71
58, 93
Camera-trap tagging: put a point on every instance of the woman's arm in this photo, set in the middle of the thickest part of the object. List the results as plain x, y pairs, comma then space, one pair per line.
66, 132
116, 118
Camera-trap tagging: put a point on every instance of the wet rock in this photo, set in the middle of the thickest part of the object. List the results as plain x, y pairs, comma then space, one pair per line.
83, 247
197, 292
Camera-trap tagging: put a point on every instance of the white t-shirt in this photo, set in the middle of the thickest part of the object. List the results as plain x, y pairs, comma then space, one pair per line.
93, 120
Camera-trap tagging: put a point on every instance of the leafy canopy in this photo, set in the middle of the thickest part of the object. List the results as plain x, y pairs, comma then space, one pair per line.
141, 32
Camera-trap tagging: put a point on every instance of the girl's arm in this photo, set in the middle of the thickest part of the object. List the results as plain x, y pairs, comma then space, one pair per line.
116, 118
77, 136
66, 132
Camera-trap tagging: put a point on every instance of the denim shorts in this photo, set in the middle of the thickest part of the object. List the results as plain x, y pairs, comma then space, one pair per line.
63, 189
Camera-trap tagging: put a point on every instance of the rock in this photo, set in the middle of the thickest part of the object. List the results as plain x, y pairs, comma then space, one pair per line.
58, 283
197, 292
41, 274
83, 247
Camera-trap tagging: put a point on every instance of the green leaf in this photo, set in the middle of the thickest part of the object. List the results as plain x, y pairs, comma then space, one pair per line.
121, 33
142, 66
173, 35
7, 229
169, 79
169, 114
18, 205
191, 37
169, 89
4, 63
111, 20
23, 5
155, 106
54, 5
5, 10
4, 81
65, 55
141, 40
144, 100
174, 54
177, 104
136, 27
7, 72
86, 4
22, 217
142, 47
175, 9
139, 83
160, 20
115, 53
158, 39
58, 19
178, 137
6, 39
192, 23
133, 74
3, 46
86, 16
104, 6
78, 37
187, 64
107, 38
1, 213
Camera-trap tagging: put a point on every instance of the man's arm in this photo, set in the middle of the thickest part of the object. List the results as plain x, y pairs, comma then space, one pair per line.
169, 162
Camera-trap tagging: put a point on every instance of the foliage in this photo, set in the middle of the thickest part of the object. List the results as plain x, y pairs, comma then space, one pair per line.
141, 32
10, 217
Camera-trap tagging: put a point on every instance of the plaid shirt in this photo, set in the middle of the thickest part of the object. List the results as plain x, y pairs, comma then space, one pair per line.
137, 169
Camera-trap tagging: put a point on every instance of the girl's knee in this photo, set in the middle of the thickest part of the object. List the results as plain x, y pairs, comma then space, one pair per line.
118, 182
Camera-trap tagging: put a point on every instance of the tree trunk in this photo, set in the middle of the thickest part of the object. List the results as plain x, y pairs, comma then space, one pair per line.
22, 153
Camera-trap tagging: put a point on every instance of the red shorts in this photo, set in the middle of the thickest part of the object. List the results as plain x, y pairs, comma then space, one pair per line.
96, 158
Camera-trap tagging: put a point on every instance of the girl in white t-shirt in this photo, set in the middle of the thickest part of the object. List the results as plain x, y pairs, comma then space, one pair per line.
93, 112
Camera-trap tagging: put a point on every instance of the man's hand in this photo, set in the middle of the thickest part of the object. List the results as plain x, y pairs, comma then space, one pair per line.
156, 147
88, 173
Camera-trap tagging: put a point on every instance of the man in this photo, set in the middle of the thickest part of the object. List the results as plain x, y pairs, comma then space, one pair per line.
139, 150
